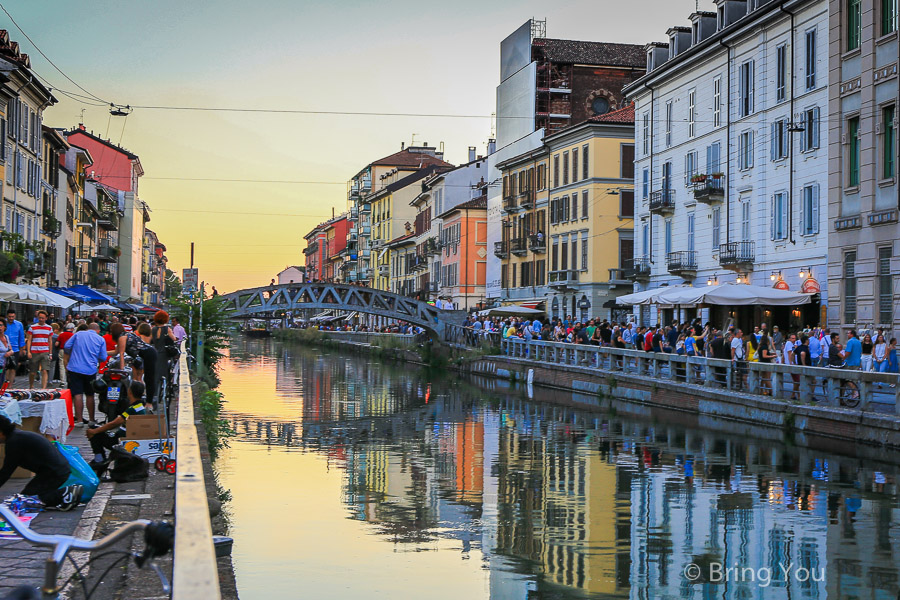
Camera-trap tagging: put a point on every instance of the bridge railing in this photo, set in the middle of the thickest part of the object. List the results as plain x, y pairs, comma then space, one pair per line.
470, 337
825, 386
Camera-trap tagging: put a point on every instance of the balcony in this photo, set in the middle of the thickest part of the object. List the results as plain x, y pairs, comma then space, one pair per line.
537, 244
432, 286
107, 252
501, 249
640, 270
430, 246
662, 202
738, 256
384, 270
621, 276
510, 204
561, 280
416, 263
526, 199
51, 226
365, 231
682, 262
376, 244
518, 246
365, 207
708, 190
108, 220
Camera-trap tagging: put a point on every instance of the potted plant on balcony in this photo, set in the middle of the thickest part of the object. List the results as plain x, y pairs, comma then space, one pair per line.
717, 175
698, 178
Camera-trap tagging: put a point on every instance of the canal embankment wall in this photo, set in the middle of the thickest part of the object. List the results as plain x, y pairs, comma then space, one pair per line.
598, 389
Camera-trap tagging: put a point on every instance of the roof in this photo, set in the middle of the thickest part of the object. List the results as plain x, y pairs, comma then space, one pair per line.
623, 115
400, 239
479, 203
407, 158
410, 179
593, 53
97, 138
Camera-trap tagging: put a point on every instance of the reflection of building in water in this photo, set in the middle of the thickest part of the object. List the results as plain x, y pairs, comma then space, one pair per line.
562, 507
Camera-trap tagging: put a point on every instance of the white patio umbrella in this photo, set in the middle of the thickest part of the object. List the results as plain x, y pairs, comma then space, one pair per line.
51, 298
647, 296
509, 311
732, 294
20, 294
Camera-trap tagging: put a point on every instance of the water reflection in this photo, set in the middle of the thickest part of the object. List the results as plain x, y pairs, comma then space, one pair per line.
560, 503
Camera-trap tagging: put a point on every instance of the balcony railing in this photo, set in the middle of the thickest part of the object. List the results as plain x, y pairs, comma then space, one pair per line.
537, 243
384, 270
108, 220
681, 261
107, 252
662, 201
641, 268
526, 199
365, 207
563, 279
501, 249
518, 246
430, 246
621, 276
510, 204
51, 225
709, 190
734, 254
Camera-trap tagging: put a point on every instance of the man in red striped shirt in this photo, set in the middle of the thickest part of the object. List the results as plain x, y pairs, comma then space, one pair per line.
37, 345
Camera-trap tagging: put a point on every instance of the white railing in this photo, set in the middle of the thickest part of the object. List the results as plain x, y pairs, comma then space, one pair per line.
824, 386
195, 573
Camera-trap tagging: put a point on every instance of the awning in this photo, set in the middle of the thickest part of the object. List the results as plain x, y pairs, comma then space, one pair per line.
509, 311
97, 307
726, 294
533, 304
647, 296
69, 294
52, 299
92, 294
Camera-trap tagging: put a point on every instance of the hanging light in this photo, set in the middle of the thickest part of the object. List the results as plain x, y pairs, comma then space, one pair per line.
739, 279
802, 272
772, 276
709, 281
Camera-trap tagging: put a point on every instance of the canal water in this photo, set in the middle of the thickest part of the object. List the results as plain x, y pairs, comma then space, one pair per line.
355, 479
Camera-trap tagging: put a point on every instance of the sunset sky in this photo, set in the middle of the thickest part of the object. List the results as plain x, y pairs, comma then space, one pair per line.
358, 56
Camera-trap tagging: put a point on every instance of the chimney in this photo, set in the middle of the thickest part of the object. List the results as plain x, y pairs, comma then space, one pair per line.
402, 146
492, 146
471, 153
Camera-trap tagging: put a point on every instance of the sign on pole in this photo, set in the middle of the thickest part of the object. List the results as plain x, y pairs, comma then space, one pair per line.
189, 280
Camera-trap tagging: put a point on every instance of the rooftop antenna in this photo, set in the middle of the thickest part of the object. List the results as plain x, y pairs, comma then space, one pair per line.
413, 141
81, 121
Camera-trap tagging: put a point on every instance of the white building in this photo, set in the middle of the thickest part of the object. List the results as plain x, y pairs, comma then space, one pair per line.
741, 94
292, 274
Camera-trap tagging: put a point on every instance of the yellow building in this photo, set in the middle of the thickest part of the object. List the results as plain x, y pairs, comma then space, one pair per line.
590, 215
523, 247
393, 216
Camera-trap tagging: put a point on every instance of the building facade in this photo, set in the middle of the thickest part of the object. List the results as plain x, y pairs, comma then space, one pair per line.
463, 255
864, 195
731, 160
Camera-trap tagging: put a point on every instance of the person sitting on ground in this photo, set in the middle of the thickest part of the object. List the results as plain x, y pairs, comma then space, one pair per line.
106, 436
35, 453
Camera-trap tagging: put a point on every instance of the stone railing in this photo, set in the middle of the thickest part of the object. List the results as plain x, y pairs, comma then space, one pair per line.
824, 386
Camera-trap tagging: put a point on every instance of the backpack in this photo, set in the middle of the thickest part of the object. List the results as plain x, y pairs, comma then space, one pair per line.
127, 466
134, 344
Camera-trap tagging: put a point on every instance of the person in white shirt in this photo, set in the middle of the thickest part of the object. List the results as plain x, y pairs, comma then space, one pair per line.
738, 354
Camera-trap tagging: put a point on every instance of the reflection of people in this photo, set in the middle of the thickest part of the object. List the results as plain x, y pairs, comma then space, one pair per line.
51, 469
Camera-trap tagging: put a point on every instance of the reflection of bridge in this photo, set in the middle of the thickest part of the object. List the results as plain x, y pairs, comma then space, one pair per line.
266, 301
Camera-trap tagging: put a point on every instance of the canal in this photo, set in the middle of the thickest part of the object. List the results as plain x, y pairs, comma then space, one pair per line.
354, 479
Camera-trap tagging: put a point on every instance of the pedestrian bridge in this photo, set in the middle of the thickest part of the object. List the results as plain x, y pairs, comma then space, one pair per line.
264, 302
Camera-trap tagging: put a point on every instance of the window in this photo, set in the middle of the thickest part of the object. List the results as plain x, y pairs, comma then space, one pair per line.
584, 162
745, 88
850, 287
645, 241
809, 139
778, 225
888, 25
716, 228
667, 178
713, 159
809, 210
691, 167
780, 140
645, 184
564, 255
692, 99
539, 270
541, 176
565, 208
668, 123
554, 211
690, 232
574, 164
646, 134
584, 204
854, 23
554, 256
626, 156
575, 206
668, 236
811, 59
626, 203
565, 168
885, 286
853, 143
780, 73
556, 170
513, 279
717, 101
745, 151
584, 252
887, 142
745, 220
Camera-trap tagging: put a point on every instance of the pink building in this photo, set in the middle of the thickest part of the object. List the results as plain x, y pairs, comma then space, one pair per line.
463, 254
114, 166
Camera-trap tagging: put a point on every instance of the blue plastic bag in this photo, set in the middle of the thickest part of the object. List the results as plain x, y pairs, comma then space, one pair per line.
82, 473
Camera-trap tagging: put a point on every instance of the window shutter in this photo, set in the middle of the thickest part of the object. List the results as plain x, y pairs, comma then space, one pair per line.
774, 216
751, 77
785, 139
741, 83
804, 137
783, 217
815, 127
773, 146
803, 216
815, 208
687, 169
750, 148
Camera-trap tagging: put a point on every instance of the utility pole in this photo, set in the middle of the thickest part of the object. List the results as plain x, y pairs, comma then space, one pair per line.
191, 309
200, 336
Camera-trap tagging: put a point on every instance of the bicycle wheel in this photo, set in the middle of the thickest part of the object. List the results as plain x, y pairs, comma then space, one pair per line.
849, 397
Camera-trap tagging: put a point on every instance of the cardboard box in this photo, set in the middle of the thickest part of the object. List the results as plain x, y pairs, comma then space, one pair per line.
28, 424
150, 449
143, 427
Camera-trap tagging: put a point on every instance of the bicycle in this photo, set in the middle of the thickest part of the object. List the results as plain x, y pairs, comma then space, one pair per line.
159, 537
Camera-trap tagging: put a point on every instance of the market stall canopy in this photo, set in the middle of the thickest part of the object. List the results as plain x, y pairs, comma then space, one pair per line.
510, 311
53, 299
70, 294
92, 294
733, 294
647, 296
99, 308
20, 294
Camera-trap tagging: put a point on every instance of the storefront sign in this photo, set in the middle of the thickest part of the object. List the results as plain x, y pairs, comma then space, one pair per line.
810, 286
781, 284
